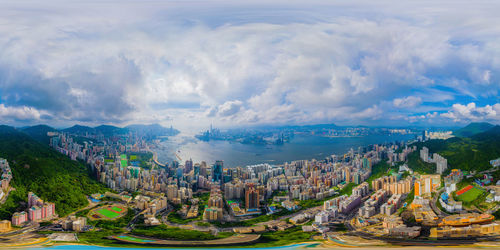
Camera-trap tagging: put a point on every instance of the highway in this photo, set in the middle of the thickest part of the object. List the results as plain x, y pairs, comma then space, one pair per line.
155, 159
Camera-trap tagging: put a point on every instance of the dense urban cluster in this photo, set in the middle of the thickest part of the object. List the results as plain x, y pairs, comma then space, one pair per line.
373, 189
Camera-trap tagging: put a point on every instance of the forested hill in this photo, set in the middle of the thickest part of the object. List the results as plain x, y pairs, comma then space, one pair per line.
39, 133
473, 129
51, 175
468, 153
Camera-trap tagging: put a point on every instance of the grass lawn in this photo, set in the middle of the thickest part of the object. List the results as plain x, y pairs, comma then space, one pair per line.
470, 195
108, 213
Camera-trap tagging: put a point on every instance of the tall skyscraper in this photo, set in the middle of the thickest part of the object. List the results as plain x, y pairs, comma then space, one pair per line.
188, 166
424, 154
196, 169
217, 171
251, 198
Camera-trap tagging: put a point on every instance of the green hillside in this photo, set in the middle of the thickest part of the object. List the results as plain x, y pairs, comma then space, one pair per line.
51, 175
468, 153
39, 133
473, 128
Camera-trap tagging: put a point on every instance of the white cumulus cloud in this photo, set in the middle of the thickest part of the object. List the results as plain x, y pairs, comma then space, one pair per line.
472, 112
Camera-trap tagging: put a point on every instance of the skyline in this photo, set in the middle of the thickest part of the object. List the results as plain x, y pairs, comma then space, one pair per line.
191, 64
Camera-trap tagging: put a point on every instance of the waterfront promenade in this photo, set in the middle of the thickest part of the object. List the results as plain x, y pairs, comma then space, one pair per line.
239, 239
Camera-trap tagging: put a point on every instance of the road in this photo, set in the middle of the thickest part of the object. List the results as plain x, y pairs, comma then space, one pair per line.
434, 207
155, 159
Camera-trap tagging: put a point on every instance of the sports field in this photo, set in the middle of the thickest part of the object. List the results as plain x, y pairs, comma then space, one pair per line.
117, 209
108, 212
465, 189
469, 193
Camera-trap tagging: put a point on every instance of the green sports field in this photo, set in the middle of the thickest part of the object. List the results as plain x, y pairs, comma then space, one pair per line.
107, 213
470, 195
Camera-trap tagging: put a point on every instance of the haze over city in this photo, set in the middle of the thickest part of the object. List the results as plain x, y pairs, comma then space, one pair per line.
196, 63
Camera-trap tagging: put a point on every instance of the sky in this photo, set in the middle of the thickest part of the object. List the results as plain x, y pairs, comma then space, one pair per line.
248, 63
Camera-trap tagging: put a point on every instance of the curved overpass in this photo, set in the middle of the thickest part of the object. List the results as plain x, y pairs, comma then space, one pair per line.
155, 159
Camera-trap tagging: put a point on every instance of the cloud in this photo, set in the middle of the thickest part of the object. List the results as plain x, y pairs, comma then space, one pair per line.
229, 108
471, 112
407, 102
248, 63
19, 113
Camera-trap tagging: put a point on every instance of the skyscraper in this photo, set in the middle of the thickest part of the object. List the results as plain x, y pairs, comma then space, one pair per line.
252, 198
188, 166
217, 171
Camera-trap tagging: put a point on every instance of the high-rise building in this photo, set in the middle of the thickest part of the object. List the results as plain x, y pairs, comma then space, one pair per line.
424, 154
217, 171
251, 198
441, 163
188, 166
427, 184
19, 218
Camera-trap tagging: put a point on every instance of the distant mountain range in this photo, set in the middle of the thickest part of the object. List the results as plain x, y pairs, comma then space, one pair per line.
473, 128
39, 132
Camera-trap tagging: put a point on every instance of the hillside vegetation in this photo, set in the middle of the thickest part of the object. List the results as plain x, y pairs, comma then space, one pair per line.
39, 133
473, 129
49, 174
467, 153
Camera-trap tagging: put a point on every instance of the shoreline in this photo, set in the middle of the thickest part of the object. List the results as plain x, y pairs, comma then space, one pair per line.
247, 152
320, 245
56, 244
